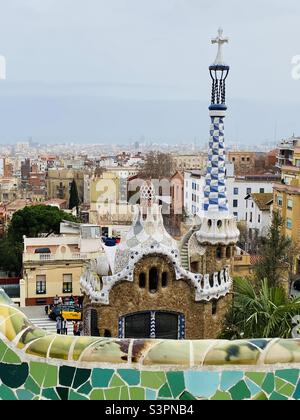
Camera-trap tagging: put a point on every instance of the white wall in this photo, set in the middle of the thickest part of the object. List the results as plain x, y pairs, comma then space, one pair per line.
239, 208
260, 220
194, 196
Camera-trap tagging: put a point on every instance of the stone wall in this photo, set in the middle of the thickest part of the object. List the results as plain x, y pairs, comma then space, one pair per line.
179, 296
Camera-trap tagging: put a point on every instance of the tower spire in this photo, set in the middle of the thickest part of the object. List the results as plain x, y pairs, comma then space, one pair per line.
215, 195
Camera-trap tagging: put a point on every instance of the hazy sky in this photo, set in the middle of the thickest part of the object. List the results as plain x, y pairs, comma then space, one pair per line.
97, 70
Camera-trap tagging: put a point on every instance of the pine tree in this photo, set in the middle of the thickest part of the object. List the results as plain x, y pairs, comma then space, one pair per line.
276, 251
74, 197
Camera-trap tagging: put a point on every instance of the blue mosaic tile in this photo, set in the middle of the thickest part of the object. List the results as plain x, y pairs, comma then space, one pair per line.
202, 384
229, 379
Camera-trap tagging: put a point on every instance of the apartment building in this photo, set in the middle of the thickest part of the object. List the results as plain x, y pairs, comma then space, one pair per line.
287, 191
53, 266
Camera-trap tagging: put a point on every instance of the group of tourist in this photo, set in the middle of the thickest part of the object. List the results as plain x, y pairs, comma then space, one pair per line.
62, 327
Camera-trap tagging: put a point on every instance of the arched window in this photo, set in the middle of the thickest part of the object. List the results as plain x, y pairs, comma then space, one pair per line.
214, 307
219, 253
219, 278
153, 280
164, 279
211, 280
228, 252
142, 280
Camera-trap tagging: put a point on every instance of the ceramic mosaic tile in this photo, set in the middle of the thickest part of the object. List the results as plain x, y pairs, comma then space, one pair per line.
39, 366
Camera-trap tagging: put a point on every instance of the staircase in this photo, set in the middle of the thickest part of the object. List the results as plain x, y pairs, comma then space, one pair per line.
45, 324
49, 325
184, 253
36, 315
185, 256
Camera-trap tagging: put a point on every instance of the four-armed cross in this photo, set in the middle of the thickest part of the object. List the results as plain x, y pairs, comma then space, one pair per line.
220, 40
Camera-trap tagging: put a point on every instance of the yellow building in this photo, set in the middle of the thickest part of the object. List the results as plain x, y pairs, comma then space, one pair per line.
287, 195
109, 200
59, 183
53, 266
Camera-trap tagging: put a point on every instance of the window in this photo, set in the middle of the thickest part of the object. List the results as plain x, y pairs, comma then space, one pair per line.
68, 283
235, 203
236, 191
297, 163
142, 281
235, 214
214, 307
262, 190
246, 217
219, 253
243, 159
248, 159
94, 323
290, 204
164, 279
233, 159
153, 280
279, 200
40, 285
249, 191
228, 252
259, 218
251, 217
289, 223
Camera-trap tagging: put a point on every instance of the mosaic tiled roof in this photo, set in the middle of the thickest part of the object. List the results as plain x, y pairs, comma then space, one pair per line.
147, 229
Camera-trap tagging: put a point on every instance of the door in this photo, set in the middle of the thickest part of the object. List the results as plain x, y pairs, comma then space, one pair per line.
153, 324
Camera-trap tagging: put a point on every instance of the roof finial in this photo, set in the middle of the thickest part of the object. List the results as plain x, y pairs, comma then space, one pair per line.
220, 40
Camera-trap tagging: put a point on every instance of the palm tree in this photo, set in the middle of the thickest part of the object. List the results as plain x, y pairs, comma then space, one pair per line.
260, 312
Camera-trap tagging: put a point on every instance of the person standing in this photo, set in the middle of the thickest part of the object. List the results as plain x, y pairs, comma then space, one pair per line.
59, 325
75, 328
64, 327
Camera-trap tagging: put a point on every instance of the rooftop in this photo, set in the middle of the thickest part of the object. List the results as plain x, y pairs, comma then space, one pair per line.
262, 200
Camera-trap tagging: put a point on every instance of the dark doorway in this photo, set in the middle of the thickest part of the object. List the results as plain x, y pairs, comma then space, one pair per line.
94, 323
156, 324
166, 325
138, 325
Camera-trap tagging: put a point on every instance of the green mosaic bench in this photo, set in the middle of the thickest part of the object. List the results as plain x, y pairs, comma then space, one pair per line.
35, 365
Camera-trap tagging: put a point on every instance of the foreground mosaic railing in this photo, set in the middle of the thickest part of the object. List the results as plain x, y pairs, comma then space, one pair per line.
35, 365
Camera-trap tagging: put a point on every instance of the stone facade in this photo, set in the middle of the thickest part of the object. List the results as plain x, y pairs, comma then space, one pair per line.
202, 319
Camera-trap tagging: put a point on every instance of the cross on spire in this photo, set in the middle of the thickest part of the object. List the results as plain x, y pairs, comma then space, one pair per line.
220, 40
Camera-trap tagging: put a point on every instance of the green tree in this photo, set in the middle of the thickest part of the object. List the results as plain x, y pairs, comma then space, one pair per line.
260, 311
276, 251
10, 256
31, 222
74, 197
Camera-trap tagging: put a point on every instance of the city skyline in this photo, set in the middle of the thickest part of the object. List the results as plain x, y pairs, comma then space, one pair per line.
97, 82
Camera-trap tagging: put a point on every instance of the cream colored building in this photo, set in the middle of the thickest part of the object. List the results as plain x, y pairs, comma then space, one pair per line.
9, 189
109, 206
53, 266
59, 183
187, 162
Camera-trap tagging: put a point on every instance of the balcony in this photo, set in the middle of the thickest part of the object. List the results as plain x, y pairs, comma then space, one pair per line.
28, 257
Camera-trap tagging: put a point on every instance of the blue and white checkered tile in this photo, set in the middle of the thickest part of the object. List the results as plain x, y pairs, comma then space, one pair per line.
215, 197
